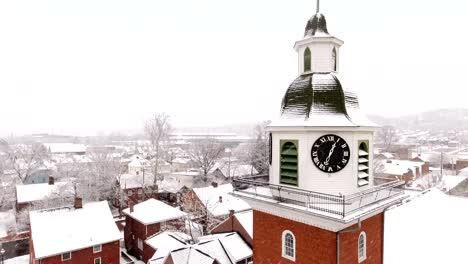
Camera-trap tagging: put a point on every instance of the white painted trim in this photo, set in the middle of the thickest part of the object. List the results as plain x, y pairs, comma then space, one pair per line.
283, 245
100, 248
67, 258
100, 260
363, 257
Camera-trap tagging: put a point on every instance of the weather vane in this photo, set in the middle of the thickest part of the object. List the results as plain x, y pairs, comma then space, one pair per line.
318, 6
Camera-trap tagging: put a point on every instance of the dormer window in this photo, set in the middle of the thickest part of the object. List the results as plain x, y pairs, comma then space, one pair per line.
363, 163
307, 60
289, 162
334, 59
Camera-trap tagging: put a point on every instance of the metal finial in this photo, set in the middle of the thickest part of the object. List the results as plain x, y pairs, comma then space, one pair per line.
318, 6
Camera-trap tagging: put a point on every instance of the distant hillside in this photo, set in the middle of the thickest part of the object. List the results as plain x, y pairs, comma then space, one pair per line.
442, 119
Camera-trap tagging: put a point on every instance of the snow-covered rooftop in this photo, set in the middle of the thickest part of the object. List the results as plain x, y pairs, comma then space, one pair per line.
232, 247
67, 229
153, 211
246, 220
132, 181
210, 198
35, 192
166, 242
427, 229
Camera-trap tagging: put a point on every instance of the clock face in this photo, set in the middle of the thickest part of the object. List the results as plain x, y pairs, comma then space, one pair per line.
330, 153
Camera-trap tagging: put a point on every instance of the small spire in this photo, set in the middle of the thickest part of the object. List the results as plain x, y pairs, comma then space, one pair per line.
318, 6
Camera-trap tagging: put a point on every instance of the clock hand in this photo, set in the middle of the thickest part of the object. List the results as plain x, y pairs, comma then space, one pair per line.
327, 160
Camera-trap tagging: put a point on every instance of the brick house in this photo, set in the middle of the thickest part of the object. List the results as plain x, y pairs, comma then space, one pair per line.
241, 222
134, 188
75, 235
146, 219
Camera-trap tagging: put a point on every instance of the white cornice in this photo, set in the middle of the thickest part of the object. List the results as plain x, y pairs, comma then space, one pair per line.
310, 40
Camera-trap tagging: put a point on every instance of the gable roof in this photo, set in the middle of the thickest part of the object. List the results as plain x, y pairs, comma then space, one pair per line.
209, 196
67, 229
246, 220
153, 211
34, 192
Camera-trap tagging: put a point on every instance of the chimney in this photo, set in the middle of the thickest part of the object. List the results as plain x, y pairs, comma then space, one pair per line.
130, 205
51, 180
214, 184
231, 213
220, 199
78, 202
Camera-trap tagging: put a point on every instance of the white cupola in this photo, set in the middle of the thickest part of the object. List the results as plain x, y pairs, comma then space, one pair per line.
318, 51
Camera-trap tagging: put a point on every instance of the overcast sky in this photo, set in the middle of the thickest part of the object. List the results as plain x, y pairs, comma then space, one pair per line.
79, 67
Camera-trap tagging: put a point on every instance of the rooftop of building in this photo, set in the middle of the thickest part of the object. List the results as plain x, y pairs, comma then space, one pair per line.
153, 211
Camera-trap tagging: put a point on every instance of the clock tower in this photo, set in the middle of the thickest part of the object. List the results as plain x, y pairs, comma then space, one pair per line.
320, 204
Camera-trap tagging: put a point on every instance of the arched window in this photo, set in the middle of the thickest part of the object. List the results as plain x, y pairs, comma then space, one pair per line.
362, 247
289, 245
334, 58
288, 162
363, 163
307, 60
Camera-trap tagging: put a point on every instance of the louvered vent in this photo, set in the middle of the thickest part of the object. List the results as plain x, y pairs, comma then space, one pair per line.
363, 164
289, 162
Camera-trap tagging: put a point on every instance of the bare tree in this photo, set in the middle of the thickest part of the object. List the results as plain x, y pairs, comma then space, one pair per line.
204, 154
24, 159
387, 137
157, 129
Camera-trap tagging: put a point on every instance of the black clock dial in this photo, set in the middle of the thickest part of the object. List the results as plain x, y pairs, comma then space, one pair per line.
330, 153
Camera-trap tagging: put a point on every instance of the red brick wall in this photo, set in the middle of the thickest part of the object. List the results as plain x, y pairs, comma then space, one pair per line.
110, 254
134, 230
374, 242
314, 245
461, 164
148, 252
232, 224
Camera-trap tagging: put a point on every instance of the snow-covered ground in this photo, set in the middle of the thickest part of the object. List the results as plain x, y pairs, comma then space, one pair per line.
7, 221
429, 228
18, 260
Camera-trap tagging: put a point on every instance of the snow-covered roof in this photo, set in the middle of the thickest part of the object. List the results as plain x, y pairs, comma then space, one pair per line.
169, 184
236, 170
131, 181
400, 167
153, 211
18, 260
210, 198
246, 220
190, 255
166, 242
65, 147
35, 192
67, 229
227, 247
426, 230
450, 181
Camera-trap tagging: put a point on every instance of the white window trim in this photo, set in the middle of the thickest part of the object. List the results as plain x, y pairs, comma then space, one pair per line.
67, 258
140, 244
100, 261
362, 258
97, 251
283, 241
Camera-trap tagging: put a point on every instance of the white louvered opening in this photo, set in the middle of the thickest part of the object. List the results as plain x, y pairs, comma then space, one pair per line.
363, 164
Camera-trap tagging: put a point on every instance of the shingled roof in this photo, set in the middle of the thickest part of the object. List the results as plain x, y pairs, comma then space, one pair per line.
316, 26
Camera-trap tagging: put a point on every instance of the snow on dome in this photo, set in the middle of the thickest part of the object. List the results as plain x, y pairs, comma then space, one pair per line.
153, 211
316, 26
210, 198
422, 230
66, 229
35, 192
318, 99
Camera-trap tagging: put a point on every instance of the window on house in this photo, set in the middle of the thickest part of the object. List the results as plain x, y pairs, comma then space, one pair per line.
97, 248
334, 58
130, 192
66, 256
289, 245
140, 244
363, 163
97, 261
289, 162
362, 247
307, 60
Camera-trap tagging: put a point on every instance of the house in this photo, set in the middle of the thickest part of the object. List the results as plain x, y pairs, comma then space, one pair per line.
224, 248
33, 194
234, 170
134, 188
146, 219
404, 170
213, 204
76, 235
241, 222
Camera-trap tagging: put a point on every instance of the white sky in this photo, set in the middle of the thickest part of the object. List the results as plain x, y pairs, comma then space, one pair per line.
86, 66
